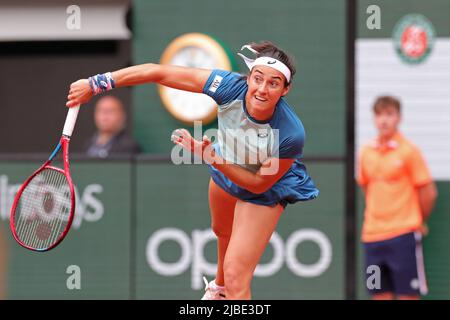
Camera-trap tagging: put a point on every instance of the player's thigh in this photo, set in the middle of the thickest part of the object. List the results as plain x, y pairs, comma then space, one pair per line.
253, 226
221, 205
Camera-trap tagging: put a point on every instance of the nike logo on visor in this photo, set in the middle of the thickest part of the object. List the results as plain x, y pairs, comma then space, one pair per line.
272, 62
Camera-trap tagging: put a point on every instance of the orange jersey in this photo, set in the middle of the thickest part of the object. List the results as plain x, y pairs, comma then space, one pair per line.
391, 175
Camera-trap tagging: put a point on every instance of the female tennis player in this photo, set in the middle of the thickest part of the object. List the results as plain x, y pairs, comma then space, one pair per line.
246, 196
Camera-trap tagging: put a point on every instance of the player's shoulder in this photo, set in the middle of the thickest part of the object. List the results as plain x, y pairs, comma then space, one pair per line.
220, 77
288, 123
287, 117
226, 73
225, 86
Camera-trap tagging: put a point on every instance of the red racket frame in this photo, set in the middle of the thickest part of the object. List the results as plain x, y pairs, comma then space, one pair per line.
64, 143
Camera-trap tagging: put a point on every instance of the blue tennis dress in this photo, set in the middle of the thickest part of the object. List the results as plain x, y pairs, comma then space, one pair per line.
247, 142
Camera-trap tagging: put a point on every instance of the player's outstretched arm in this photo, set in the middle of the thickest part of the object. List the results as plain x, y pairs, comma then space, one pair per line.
270, 172
182, 78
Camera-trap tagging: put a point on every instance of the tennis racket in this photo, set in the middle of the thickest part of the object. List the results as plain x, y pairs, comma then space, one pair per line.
44, 207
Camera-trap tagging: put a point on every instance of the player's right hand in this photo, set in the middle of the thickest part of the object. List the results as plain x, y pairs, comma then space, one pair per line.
80, 92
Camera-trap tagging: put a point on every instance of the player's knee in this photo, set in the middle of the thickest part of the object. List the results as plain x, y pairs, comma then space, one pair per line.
237, 278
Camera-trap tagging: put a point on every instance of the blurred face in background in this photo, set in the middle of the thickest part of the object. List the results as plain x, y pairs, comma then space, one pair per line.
109, 115
387, 120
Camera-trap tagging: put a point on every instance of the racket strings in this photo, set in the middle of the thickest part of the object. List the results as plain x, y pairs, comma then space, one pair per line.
43, 210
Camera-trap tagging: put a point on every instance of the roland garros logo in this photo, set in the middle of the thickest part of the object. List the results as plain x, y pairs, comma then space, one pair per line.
413, 38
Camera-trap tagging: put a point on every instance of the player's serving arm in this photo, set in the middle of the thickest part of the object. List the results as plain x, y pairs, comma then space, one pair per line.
182, 78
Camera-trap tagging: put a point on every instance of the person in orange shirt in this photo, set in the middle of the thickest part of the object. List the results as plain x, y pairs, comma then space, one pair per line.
399, 195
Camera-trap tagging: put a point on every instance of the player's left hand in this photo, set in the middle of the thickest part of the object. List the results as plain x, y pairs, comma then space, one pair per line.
202, 149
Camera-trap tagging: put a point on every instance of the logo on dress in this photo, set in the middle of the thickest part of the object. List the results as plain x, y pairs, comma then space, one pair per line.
216, 83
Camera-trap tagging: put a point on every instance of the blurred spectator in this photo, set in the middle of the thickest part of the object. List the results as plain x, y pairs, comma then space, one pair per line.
110, 138
400, 195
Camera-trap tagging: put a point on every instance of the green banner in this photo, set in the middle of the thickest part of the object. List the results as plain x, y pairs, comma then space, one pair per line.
176, 247
93, 260
312, 31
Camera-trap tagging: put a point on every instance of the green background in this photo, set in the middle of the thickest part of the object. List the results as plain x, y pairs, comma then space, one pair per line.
312, 31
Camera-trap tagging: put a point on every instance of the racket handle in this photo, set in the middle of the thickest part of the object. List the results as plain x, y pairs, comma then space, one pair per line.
70, 120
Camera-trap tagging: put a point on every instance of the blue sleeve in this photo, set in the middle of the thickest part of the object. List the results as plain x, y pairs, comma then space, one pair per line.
291, 147
224, 86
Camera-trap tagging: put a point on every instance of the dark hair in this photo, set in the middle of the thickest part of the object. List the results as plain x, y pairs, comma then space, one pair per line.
383, 102
268, 49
